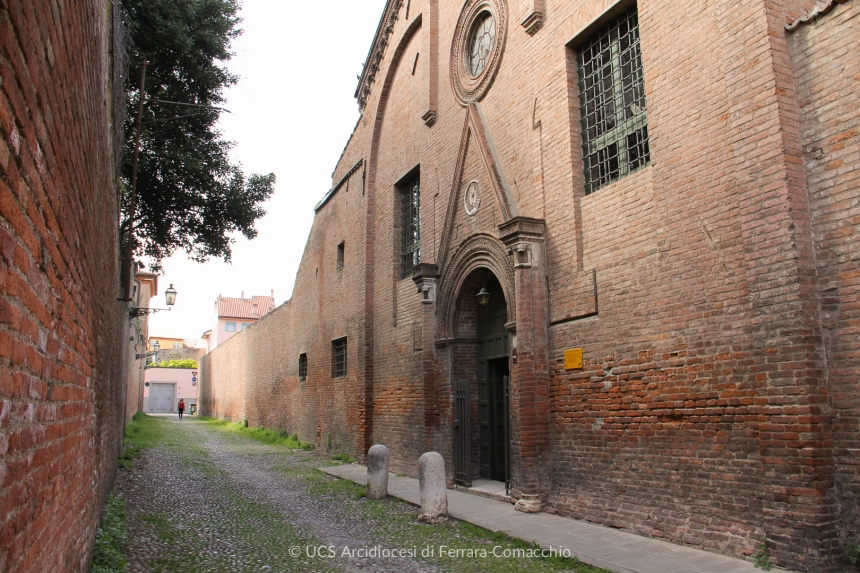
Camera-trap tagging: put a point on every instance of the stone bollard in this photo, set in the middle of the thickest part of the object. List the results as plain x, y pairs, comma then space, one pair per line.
433, 486
377, 472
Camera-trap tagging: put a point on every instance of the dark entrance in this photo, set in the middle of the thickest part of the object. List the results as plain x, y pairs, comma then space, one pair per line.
493, 373
492, 395
480, 375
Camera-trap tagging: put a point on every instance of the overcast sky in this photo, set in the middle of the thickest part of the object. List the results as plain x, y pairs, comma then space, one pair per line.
292, 114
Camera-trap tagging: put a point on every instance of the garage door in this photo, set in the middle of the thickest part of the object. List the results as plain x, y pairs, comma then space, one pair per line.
161, 398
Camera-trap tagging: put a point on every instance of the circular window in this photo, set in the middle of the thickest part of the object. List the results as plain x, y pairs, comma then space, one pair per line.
479, 40
480, 43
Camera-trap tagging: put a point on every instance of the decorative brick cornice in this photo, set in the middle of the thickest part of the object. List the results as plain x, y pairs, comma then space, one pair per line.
814, 14
377, 51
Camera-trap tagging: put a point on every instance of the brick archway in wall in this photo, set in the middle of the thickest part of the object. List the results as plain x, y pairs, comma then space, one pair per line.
480, 261
478, 252
479, 378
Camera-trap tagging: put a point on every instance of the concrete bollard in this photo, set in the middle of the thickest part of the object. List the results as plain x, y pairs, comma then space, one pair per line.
377, 472
433, 486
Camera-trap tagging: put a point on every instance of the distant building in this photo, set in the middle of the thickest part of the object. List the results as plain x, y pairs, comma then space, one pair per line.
171, 342
236, 314
164, 387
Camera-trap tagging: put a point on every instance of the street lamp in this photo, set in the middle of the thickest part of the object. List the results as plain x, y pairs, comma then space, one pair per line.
484, 297
155, 348
170, 295
169, 298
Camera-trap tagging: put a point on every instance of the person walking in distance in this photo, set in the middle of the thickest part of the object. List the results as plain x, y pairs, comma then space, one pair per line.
181, 407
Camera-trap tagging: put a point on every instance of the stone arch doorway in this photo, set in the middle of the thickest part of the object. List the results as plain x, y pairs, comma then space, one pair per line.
481, 374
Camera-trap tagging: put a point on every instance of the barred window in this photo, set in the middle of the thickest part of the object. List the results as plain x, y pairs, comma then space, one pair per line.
338, 358
303, 367
612, 102
410, 237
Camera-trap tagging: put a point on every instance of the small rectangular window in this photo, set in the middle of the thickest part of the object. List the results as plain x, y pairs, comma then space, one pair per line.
230, 327
303, 367
340, 252
175, 345
612, 102
410, 228
246, 325
338, 358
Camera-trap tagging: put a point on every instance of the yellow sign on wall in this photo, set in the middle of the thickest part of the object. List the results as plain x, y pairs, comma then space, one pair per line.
573, 359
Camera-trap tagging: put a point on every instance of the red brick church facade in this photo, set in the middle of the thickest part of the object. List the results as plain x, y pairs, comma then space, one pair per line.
659, 201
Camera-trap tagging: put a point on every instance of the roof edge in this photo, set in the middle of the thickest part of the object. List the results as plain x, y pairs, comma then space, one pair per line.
338, 185
814, 14
377, 51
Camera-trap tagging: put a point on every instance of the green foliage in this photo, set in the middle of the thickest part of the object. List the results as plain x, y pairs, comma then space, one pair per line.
163, 530
188, 364
140, 433
345, 458
762, 558
263, 435
111, 539
852, 553
322, 484
190, 196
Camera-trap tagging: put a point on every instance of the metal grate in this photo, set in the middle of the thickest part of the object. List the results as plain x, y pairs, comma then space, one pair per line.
338, 358
303, 367
462, 469
410, 239
612, 103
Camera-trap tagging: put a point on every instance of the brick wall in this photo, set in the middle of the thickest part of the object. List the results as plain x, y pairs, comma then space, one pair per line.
711, 374
62, 330
827, 75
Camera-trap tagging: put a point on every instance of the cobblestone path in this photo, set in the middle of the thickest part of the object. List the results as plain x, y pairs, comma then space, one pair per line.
213, 500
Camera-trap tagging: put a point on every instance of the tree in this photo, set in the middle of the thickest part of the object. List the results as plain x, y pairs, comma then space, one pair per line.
189, 194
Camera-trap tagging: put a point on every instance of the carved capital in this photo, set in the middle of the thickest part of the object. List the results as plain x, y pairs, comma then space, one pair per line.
522, 230
533, 22
424, 276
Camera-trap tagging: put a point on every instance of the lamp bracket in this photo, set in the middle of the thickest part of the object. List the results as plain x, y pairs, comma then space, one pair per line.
135, 312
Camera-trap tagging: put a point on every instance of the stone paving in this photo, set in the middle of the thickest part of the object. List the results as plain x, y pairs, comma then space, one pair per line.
209, 500
612, 549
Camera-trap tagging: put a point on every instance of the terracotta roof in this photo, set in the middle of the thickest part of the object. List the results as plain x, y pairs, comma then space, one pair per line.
815, 13
245, 307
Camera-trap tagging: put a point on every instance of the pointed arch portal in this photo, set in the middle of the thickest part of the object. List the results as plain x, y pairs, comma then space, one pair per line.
481, 374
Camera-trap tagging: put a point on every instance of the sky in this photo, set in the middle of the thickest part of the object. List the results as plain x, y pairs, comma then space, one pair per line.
292, 113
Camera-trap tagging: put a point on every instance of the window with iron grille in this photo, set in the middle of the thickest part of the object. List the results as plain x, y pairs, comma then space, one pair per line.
410, 236
612, 102
338, 358
303, 367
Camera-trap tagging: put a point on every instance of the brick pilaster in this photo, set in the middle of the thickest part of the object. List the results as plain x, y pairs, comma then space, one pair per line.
525, 239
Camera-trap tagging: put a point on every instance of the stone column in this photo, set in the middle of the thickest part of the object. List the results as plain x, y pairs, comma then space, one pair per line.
525, 239
377, 472
433, 487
